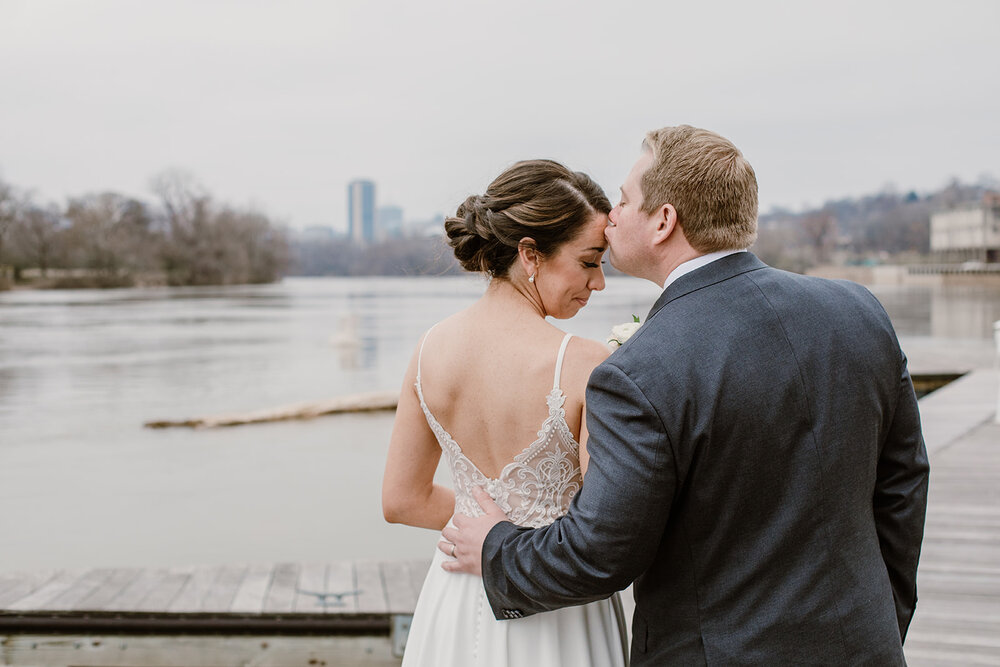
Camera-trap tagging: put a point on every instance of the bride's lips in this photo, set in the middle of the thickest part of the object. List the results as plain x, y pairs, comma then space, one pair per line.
582, 302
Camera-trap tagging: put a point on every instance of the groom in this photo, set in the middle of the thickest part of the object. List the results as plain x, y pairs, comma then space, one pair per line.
756, 461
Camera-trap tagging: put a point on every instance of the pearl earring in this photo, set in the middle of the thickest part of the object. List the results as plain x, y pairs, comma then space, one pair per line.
531, 278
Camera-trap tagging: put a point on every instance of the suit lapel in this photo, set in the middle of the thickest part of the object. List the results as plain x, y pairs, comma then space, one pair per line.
710, 274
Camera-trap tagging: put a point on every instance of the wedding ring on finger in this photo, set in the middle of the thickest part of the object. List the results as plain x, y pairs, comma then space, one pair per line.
453, 551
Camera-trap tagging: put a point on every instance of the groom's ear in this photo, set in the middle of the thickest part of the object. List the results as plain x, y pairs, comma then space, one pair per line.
665, 220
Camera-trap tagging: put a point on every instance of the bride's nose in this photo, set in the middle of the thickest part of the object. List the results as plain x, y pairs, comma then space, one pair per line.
596, 284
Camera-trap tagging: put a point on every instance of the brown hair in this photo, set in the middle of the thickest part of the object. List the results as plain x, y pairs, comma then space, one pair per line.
540, 199
708, 181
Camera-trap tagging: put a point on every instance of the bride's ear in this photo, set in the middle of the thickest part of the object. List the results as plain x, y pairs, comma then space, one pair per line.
527, 255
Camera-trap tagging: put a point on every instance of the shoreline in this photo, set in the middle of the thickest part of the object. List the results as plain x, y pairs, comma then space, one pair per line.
913, 275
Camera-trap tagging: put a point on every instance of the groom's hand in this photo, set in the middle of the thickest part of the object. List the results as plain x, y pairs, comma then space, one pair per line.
464, 542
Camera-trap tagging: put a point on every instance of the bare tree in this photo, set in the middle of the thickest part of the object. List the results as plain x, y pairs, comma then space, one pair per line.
820, 229
206, 244
110, 234
9, 206
183, 199
35, 236
263, 247
779, 247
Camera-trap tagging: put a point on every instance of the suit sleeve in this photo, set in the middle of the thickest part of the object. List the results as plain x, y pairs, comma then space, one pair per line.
612, 530
900, 500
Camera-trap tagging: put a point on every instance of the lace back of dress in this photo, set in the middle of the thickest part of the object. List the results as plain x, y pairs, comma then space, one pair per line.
537, 486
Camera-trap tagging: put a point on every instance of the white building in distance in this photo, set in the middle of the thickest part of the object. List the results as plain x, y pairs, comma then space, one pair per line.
969, 234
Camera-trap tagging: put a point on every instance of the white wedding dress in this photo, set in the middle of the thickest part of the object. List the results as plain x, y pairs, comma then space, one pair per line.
453, 625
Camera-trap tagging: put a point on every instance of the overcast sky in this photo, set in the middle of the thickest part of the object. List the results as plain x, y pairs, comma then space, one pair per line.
279, 104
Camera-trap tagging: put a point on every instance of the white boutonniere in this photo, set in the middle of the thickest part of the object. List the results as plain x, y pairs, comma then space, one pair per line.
622, 332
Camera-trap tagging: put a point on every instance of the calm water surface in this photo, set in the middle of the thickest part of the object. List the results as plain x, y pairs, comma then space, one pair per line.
83, 484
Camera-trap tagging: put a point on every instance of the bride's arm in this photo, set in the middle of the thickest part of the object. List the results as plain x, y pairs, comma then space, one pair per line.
409, 494
584, 456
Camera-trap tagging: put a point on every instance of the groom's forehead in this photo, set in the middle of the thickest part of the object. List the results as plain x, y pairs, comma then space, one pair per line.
639, 169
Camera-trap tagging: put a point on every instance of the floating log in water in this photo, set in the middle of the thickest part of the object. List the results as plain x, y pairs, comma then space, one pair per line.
384, 400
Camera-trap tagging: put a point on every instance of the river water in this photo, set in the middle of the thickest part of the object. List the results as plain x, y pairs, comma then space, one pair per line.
83, 484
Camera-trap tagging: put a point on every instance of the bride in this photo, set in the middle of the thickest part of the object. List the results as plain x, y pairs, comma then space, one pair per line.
482, 385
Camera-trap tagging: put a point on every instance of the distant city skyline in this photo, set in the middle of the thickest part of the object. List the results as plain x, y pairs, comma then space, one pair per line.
370, 221
280, 105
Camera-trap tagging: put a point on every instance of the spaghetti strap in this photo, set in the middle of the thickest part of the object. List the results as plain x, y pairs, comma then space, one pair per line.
420, 355
559, 360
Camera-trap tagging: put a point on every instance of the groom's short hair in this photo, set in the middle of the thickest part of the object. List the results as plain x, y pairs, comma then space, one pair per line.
708, 181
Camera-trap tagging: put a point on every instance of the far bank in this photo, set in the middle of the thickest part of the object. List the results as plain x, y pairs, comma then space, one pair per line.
975, 274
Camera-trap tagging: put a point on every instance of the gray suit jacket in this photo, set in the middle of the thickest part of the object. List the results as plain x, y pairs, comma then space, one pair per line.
757, 468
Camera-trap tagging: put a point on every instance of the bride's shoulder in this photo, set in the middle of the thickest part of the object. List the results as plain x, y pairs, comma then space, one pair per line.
586, 353
444, 327
582, 356
445, 338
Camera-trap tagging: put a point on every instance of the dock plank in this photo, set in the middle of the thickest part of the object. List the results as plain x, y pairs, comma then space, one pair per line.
399, 590
249, 598
281, 594
340, 584
100, 598
166, 590
191, 597
219, 597
136, 591
51, 589
91, 581
952, 412
26, 584
368, 583
311, 589
418, 572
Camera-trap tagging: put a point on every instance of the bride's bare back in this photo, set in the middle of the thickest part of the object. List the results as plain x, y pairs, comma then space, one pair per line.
485, 375
486, 381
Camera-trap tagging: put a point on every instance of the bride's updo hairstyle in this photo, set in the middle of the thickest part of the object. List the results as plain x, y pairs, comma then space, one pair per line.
539, 199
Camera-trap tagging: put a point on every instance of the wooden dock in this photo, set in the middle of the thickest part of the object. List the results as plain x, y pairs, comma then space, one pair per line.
957, 621
357, 613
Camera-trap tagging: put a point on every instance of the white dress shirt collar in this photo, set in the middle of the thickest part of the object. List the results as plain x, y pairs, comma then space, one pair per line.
697, 263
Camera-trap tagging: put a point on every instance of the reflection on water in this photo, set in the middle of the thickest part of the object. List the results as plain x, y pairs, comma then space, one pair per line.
944, 312
355, 350
83, 484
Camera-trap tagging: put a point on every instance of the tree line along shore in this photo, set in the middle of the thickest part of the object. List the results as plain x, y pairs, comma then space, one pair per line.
107, 239
184, 236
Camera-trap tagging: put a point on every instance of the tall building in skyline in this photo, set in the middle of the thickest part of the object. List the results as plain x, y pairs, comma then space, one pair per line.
361, 211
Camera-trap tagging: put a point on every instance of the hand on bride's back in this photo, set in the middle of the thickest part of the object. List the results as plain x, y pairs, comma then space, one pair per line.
464, 537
